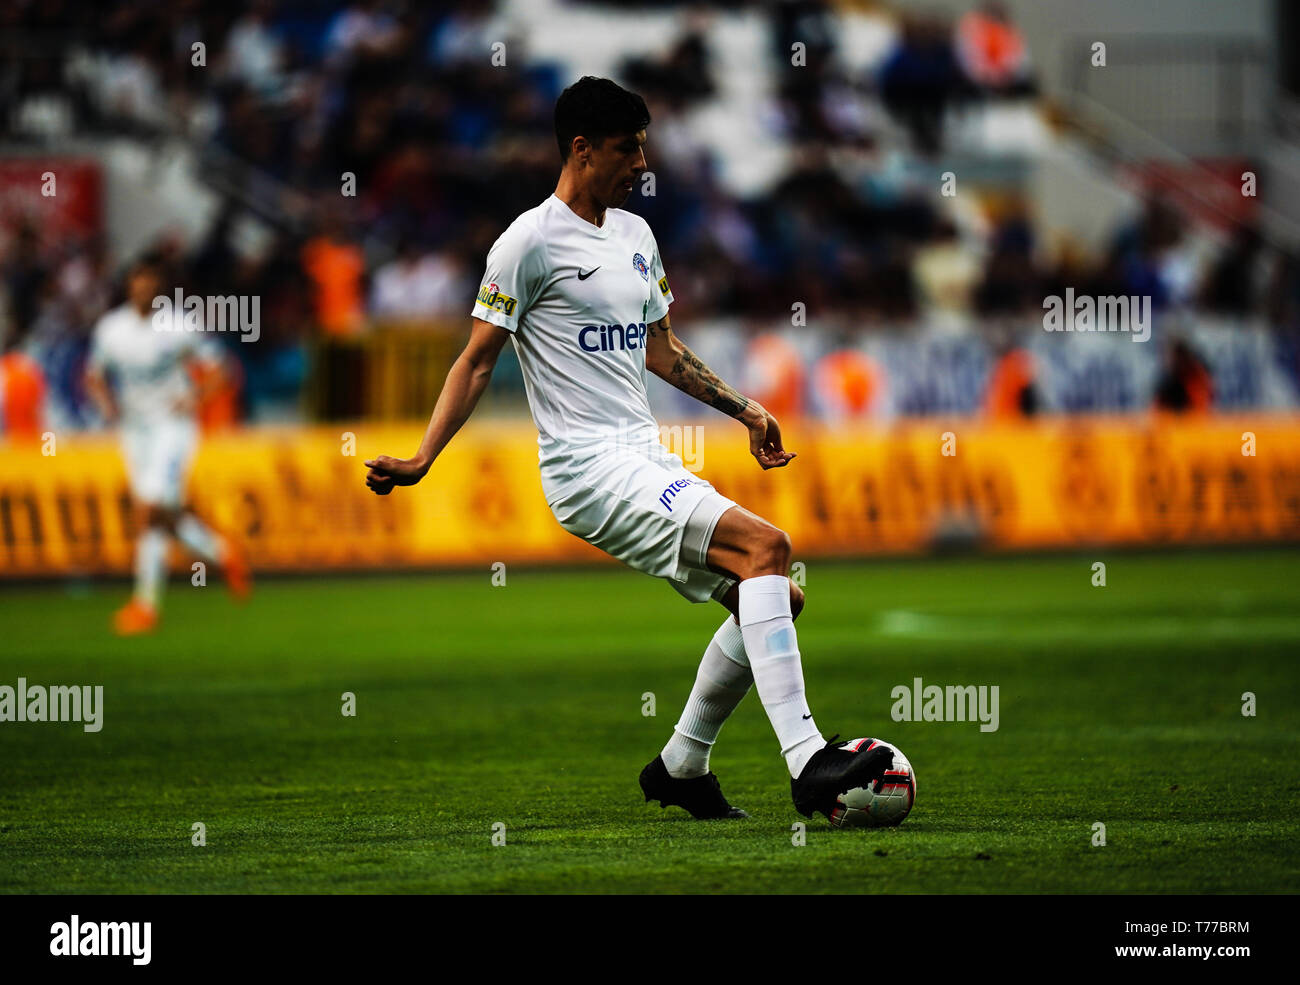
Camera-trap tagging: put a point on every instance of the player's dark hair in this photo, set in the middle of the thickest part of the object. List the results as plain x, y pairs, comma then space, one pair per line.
597, 108
151, 262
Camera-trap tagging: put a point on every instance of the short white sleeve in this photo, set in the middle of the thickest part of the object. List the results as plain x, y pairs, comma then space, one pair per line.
660, 294
516, 272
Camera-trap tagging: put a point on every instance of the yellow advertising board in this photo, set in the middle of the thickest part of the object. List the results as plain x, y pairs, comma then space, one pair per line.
297, 500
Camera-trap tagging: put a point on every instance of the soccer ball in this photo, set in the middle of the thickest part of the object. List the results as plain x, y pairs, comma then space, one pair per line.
886, 802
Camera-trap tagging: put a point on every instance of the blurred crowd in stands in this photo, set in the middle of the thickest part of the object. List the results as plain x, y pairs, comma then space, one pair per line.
447, 149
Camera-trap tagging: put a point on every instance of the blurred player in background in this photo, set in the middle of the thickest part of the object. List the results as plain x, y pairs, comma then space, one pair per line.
578, 286
142, 378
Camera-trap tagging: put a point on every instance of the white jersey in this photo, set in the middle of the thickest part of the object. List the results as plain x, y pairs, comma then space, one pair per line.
577, 298
148, 365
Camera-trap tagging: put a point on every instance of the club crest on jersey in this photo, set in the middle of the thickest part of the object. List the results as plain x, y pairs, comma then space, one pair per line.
642, 267
490, 297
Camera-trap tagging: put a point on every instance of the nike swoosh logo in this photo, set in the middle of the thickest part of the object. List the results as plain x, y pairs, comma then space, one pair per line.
582, 276
807, 716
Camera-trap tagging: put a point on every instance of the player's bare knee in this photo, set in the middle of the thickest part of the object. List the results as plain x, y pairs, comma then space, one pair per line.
771, 553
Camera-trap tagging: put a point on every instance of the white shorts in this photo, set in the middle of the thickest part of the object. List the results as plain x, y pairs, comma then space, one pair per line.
158, 458
644, 508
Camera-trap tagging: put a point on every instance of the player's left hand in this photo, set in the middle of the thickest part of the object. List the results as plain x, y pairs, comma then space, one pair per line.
765, 443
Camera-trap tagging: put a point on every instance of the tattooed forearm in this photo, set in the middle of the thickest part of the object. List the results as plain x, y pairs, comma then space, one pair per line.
687, 372
691, 376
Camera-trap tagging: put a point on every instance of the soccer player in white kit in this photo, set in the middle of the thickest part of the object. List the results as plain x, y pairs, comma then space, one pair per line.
578, 285
139, 375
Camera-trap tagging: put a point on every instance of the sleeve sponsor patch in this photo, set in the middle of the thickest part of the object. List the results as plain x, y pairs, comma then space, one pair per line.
490, 297
663, 286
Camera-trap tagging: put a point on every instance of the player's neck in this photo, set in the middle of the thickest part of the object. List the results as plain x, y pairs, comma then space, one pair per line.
580, 201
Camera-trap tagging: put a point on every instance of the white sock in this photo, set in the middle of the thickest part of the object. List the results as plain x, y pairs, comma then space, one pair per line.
773, 650
723, 679
150, 564
200, 538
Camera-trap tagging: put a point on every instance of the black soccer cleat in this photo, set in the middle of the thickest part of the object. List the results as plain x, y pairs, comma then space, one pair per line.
700, 795
833, 771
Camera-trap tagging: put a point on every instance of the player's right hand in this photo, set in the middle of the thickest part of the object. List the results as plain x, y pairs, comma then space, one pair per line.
387, 472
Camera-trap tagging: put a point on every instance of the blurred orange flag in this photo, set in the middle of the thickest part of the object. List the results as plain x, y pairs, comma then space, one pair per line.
336, 269
22, 390
775, 374
847, 381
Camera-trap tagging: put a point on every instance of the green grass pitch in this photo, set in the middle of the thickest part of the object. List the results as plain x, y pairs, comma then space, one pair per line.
523, 705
